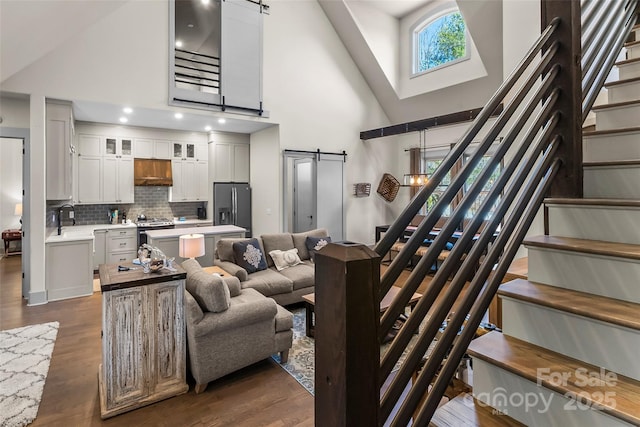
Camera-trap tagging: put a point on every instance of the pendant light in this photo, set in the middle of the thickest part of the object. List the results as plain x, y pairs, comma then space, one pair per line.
418, 179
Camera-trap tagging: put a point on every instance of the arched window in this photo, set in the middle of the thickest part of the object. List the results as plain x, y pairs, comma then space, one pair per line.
440, 40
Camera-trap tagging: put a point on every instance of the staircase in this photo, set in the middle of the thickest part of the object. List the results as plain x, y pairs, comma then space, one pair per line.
568, 354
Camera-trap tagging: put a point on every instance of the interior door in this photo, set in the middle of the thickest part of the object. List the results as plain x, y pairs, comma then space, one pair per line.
304, 195
330, 188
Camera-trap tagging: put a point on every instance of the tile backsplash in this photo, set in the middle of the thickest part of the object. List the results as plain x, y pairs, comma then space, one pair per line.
150, 201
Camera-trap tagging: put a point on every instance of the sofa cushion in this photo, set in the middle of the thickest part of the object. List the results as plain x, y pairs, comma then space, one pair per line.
249, 255
211, 292
301, 275
268, 282
314, 244
285, 259
300, 239
284, 319
224, 248
281, 241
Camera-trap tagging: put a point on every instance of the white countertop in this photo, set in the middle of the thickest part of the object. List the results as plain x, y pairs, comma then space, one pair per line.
192, 222
81, 232
177, 232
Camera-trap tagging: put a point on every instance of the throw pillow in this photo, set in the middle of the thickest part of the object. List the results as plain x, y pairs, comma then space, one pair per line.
314, 244
249, 256
285, 259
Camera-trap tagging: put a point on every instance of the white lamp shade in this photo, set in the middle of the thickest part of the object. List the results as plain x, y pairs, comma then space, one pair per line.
18, 210
191, 245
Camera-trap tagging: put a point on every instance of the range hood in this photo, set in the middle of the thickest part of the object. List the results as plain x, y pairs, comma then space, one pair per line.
152, 172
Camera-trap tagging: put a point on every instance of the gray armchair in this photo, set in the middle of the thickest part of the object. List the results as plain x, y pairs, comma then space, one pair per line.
229, 328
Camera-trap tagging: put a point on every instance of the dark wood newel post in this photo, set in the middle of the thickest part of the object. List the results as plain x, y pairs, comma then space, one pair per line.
347, 318
568, 182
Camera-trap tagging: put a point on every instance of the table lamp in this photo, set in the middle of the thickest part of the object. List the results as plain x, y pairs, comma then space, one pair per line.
18, 212
191, 245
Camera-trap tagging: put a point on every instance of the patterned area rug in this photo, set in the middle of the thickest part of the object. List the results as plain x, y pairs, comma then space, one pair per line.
301, 362
25, 354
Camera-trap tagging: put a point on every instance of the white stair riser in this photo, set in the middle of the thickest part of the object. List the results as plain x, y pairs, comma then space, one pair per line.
627, 116
629, 71
595, 274
624, 92
575, 336
612, 182
610, 148
531, 404
633, 52
606, 223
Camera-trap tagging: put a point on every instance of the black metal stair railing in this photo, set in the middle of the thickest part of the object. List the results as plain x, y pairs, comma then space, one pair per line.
197, 71
532, 161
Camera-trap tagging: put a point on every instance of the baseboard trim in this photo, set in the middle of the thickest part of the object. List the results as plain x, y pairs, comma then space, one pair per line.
37, 298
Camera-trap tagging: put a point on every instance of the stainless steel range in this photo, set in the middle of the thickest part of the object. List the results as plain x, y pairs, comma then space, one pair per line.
151, 224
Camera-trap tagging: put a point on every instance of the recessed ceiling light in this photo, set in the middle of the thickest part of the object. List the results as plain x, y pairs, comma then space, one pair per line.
127, 110
205, 2
190, 25
123, 120
178, 43
222, 121
178, 115
207, 128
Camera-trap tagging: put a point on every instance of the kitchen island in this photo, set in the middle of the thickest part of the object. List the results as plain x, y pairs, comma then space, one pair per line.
168, 240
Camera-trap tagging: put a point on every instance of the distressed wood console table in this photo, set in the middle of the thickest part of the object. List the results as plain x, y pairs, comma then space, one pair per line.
143, 338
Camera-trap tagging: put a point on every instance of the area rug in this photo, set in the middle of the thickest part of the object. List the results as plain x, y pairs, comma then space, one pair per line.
301, 363
25, 354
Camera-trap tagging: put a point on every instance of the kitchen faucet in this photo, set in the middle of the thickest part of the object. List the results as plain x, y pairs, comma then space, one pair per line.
59, 216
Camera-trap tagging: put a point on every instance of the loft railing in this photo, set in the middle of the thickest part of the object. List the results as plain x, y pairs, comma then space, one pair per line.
545, 101
197, 71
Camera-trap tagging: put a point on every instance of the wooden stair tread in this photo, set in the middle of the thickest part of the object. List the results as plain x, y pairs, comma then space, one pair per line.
595, 247
631, 44
615, 105
633, 162
610, 310
593, 202
465, 410
525, 359
611, 131
627, 61
622, 82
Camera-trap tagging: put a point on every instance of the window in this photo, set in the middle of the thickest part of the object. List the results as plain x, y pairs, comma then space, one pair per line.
440, 41
429, 166
485, 190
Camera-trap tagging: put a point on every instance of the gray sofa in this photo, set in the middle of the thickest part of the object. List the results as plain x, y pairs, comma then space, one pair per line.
228, 327
286, 286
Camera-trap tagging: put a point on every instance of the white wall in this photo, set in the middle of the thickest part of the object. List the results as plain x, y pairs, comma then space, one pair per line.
266, 181
320, 100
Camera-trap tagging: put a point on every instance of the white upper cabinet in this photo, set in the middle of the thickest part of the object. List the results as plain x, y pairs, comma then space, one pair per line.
231, 162
60, 151
190, 169
117, 147
89, 145
145, 148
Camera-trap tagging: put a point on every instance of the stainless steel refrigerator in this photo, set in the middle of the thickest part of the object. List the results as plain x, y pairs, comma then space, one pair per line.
232, 204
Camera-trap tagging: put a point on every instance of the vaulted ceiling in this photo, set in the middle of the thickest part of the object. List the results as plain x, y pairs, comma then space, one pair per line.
376, 34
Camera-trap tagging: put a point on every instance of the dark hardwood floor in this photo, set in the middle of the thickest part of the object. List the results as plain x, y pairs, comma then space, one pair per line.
260, 395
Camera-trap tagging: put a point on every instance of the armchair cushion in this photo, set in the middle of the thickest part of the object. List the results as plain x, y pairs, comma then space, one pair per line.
211, 292
249, 255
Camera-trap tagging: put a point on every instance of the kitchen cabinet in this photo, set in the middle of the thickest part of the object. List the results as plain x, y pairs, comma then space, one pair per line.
99, 248
117, 147
231, 162
60, 150
144, 148
144, 340
69, 268
89, 145
190, 173
117, 180
121, 245
89, 180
